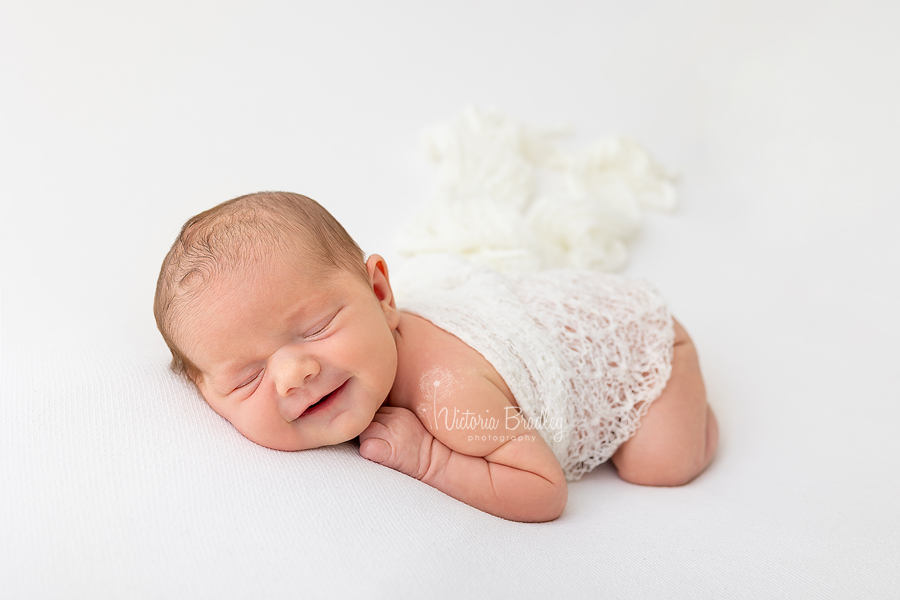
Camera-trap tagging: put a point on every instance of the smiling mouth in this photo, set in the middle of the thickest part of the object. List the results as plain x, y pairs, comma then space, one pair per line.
324, 401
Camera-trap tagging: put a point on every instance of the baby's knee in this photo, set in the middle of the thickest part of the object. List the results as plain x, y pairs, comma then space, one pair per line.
679, 434
664, 471
674, 462
694, 458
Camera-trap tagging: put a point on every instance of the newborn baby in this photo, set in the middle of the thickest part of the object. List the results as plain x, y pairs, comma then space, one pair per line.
294, 337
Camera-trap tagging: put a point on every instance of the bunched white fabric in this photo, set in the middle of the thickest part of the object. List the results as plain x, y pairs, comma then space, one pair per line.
510, 197
583, 352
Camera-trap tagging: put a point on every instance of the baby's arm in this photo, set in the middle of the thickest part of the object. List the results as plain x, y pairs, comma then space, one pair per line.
507, 470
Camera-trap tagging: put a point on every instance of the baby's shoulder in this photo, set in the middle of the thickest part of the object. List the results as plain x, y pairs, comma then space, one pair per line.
436, 368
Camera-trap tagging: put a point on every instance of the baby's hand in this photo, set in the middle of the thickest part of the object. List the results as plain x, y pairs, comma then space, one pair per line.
396, 438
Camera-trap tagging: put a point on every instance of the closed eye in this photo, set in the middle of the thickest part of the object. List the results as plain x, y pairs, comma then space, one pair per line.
322, 329
315, 333
249, 381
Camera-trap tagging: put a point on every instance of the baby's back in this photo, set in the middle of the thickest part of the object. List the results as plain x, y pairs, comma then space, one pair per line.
583, 352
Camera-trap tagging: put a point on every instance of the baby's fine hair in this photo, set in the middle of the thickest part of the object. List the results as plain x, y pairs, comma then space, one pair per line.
244, 232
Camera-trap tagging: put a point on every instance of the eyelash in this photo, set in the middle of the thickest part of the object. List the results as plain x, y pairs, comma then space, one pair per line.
248, 382
321, 329
314, 334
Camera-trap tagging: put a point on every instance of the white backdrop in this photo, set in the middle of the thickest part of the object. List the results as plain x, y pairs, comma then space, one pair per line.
120, 120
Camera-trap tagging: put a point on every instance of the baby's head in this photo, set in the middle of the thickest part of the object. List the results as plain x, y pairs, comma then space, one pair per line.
270, 308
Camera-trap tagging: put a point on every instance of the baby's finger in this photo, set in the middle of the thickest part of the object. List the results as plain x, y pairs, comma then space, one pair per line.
377, 428
389, 414
382, 417
375, 449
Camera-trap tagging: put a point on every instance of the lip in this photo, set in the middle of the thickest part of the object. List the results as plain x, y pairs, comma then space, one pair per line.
324, 402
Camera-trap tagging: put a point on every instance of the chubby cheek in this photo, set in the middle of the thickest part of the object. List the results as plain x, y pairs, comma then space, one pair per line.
388, 349
382, 360
389, 369
217, 405
370, 355
269, 430
252, 420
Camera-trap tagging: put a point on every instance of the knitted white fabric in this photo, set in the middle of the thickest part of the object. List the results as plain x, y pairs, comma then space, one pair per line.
583, 352
509, 197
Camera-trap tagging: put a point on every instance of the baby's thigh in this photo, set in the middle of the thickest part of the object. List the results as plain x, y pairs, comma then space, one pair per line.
678, 435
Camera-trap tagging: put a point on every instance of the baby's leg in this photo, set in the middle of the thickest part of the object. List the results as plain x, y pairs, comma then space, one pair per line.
678, 435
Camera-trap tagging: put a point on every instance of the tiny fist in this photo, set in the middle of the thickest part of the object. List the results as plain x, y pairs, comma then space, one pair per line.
376, 450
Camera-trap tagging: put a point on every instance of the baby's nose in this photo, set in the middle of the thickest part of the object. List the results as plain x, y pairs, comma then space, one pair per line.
294, 369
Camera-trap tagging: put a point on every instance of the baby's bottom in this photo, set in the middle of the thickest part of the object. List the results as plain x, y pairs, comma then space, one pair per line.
678, 435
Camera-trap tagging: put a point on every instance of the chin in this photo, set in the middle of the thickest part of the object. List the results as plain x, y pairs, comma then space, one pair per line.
353, 430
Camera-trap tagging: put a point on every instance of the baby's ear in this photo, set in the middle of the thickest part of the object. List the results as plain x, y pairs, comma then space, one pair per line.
381, 285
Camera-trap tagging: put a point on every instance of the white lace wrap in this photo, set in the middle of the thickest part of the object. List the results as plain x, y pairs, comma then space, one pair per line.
583, 352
